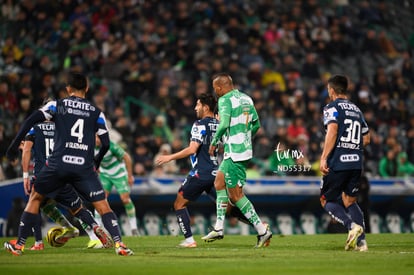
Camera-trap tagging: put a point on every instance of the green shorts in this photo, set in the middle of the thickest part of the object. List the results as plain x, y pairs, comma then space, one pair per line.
234, 172
121, 184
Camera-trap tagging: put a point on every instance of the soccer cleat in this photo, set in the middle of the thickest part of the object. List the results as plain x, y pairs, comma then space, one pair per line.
105, 239
39, 246
13, 248
264, 240
95, 244
361, 246
353, 235
122, 250
186, 244
68, 233
213, 235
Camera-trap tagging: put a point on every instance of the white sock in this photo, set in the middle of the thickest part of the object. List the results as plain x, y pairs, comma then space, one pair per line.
133, 223
190, 239
98, 218
219, 225
260, 228
91, 234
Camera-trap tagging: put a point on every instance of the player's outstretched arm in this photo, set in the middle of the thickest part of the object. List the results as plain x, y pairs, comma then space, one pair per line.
188, 151
13, 150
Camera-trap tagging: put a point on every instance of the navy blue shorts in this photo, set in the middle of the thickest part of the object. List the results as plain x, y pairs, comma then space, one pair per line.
67, 197
334, 183
192, 188
50, 181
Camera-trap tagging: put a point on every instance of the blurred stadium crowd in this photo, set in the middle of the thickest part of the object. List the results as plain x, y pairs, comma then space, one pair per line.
148, 60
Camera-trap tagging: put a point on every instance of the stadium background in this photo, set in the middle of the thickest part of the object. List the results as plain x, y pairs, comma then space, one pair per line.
148, 60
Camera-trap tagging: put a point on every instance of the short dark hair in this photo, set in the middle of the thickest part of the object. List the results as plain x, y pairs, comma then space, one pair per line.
339, 83
209, 100
77, 81
223, 78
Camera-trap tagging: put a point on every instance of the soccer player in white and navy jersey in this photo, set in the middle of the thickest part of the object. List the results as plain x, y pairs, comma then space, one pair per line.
341, 161
204, 166
40, 141
72, 161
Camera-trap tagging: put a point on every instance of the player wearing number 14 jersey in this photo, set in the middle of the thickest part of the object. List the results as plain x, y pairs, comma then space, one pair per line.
72, 161
204, 167
341, 161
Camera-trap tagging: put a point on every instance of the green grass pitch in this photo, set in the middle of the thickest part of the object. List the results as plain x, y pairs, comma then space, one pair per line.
296, 254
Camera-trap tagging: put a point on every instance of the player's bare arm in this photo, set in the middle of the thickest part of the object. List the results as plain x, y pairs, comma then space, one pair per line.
128, 164
366, 139
188, 151
330, 139
26, 155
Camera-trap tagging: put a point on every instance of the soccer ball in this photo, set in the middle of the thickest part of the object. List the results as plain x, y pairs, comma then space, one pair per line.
51, 236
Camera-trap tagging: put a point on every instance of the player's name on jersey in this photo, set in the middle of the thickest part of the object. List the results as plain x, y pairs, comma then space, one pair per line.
74, 145
347, 145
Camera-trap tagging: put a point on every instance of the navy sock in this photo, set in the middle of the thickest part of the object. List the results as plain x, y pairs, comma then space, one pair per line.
337, 212
38, 228
357, 216
27, 222
86, 216
110, 222
183, 219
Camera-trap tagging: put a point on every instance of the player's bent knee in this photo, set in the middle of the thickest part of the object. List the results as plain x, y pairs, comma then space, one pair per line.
180, 204
75, 211
125, 198
348, 203
323, 201
348, 200
102, 207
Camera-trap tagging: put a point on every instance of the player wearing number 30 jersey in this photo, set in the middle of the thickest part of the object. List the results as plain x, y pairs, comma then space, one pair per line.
348, 152
341, 161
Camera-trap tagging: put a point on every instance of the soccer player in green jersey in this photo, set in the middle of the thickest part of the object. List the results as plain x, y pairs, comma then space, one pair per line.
239, 121
116, 171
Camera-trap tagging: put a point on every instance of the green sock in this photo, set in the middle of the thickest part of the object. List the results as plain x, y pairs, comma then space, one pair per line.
55, 215
130, 211
221, 207
246, 207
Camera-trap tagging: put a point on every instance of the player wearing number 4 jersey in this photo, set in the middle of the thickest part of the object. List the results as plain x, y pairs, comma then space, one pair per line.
40, 140
341, 161
72, 161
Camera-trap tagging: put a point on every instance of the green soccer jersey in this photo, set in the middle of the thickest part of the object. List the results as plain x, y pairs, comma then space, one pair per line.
112, 164
239, 121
